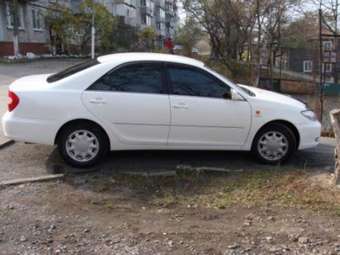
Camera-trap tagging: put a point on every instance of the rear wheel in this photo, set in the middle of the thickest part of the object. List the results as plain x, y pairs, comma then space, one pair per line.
274, 144
83, 145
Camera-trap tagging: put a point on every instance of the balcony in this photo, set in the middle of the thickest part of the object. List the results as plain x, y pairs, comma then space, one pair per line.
169, 17
146, 10
127, 3
160, 19
160, 3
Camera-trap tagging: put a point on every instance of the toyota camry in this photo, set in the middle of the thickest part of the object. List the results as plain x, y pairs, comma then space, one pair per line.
146, 101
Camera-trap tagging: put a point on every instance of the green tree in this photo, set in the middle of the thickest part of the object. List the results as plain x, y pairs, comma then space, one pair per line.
188, 35
58, 20
147, 38
74, 29
128, 36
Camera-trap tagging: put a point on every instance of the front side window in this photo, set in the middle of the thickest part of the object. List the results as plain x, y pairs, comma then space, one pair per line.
187, 81
134, 78
72, 70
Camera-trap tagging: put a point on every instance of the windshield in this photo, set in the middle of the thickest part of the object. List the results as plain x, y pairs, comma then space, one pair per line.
245, 90
71, 70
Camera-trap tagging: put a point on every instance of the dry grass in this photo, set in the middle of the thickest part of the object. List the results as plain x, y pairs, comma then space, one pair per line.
284, 188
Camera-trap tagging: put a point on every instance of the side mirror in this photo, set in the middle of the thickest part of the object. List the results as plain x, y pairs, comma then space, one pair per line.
227, 95
235, 96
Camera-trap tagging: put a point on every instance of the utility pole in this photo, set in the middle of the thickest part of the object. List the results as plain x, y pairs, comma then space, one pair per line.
93, 33
259, 34
319, 90
334, 37
15, 13
334, 70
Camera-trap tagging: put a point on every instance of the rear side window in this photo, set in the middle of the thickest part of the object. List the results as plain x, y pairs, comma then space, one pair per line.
135, 78
72, 70
189, 81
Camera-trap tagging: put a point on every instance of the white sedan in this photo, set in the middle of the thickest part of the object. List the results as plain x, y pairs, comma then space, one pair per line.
145, 101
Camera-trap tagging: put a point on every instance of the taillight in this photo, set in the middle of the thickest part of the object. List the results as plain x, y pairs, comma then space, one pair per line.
13, 101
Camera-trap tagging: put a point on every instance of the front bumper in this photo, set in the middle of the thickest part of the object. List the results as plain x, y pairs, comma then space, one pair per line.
310, 134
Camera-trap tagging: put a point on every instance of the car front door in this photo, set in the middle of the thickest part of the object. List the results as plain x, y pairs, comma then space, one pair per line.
133, 100
203, 113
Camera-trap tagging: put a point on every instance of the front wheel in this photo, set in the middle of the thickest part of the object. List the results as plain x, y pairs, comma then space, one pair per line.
83, 145
274, 144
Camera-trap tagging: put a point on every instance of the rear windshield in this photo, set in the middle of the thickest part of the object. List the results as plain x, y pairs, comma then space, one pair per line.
72, 70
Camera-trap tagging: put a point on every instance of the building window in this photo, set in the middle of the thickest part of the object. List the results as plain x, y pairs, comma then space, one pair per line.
327, 68
36, 19
10, 16
161, 13
146, 19
146, 3
327, 45
307, 66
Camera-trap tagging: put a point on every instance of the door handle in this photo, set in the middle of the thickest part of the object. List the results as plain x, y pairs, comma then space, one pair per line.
181, 106
97, 101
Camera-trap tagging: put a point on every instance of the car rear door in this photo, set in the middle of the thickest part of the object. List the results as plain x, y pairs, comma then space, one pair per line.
133, 100
201, 113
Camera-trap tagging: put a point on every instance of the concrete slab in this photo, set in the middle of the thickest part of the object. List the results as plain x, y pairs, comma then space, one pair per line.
44, 178
24, 161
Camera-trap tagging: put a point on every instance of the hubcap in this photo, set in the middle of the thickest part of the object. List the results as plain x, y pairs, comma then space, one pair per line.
82, 145
273, 146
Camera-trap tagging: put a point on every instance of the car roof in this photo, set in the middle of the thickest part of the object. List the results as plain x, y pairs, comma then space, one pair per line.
131, 57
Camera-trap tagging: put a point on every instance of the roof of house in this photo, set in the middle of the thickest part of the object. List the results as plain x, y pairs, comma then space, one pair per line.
130, 57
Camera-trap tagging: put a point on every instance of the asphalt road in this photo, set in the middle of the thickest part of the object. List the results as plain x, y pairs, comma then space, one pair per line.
21, 160
29, 160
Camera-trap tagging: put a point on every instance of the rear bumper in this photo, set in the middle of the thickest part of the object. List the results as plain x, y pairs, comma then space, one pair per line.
309, 135
28, 130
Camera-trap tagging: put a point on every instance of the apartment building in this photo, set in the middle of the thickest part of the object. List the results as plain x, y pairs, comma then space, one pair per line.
34, 36
159, 14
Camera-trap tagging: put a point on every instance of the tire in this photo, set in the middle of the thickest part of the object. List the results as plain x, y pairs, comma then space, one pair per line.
274, 144
83, 145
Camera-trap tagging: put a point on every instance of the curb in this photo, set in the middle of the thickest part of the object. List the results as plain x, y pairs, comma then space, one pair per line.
6, 144
31, 180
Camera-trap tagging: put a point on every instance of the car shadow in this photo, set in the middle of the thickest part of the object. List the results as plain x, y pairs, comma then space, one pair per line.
320, 158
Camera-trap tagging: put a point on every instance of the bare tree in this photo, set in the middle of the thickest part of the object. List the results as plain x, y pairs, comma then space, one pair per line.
229, 24
239, 28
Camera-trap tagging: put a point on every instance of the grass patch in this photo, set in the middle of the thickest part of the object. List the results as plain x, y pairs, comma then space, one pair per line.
283, 188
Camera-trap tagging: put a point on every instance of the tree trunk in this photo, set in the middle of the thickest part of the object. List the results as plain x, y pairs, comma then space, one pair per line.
15, 14
258, 49
335, 119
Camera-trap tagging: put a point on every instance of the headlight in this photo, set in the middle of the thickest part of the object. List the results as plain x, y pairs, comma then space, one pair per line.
309, 115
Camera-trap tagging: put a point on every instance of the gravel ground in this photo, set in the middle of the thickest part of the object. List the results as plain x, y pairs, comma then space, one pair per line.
103, 214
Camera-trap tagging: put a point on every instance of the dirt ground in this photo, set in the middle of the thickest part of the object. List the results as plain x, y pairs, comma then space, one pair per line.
205, 213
